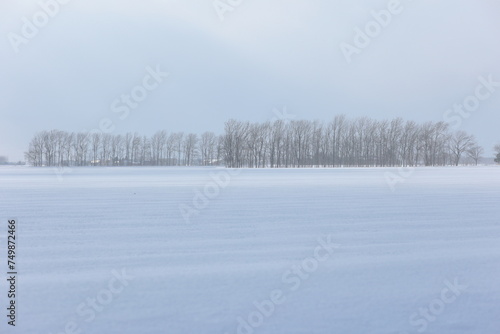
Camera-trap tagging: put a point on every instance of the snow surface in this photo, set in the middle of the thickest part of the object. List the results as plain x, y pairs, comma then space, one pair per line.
403, 238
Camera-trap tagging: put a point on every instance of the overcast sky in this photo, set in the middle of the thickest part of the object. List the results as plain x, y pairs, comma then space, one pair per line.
263, 55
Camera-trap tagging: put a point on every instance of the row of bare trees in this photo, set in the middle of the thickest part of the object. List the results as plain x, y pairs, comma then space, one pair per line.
497, 153
341, 142
60, 148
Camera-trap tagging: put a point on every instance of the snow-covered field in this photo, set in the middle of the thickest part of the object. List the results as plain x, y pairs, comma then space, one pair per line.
206, 250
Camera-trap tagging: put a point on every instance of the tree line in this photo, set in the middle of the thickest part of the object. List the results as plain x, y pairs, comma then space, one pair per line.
360, 142
60, 148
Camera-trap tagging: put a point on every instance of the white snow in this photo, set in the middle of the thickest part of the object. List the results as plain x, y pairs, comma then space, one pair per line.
400, 248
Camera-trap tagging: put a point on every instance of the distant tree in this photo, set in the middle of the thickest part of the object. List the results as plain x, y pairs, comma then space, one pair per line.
95, 142
179, 139
170, 149
276, 141
127, 146
236, 133
80, 146
219, 155
158, 142
105, 149
190, 148
460, 142
207, 147
68, 149
135, 149
117, 149
145, 151
474, 152
497, 151
49, 142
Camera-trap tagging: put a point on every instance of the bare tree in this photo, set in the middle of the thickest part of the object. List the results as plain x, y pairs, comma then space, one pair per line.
50, 146
178, 140
127, 142
301, 132
474, 152
170, 149
117, 149
276, 142
236, 134
460, 142
158, 142
497, 151
68, 143
105, 149
208, 143
337, 128
136, 149
36, 150
80, 145
220, 150
145, 151
189, 145
95, 143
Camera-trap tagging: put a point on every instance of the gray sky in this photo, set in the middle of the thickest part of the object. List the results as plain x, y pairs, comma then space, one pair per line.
264, 55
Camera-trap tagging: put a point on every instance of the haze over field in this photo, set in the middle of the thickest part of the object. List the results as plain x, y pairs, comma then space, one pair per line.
263, 55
